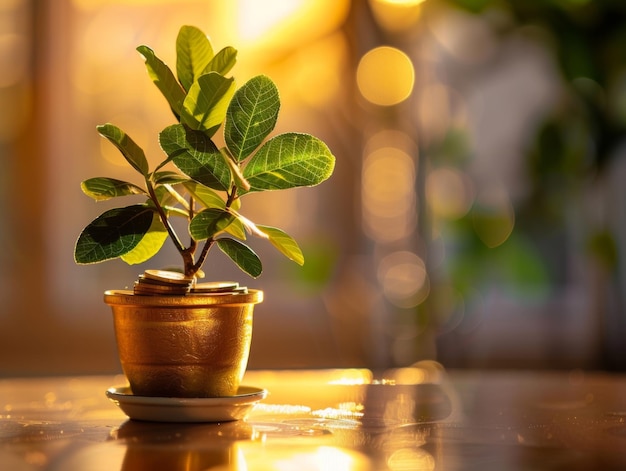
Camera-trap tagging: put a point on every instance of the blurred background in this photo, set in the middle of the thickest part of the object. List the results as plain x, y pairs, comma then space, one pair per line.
477, 214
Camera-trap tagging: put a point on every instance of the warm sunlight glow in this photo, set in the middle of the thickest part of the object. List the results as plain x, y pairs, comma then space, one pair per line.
323, 458
330, 458
424, 371
415, 459
350, 413
89, 4
400, 3
274, 25
314, 73
352, 377
257, 18
385, 76
405, 376
396, 15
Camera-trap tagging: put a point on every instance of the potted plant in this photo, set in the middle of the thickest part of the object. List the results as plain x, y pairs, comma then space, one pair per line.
176, 336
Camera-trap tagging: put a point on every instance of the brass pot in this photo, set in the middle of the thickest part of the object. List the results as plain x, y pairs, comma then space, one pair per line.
183, 346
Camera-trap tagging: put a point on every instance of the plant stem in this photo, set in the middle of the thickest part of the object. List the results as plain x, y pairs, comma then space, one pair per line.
203, 254
190, 266
232, 195
163, 216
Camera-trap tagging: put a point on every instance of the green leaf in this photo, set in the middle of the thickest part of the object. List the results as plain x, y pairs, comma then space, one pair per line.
103, 188
113, 234
288, 161
169, 178
209, 222
131, 151
193, 54
251, 116
243, 256
164, 79
284, 243
196, 156
150, 243
205, 196
237, 229
205, 105
223, 61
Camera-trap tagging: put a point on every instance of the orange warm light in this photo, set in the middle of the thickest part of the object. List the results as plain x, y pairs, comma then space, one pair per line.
411, 458
314, 458
385, 76
396, 15
279, 24
86, 4
295, 42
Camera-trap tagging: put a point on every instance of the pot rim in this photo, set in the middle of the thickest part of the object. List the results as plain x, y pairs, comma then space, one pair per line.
127, 297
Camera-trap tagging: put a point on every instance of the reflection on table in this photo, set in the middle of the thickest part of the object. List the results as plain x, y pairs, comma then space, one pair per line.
418, 418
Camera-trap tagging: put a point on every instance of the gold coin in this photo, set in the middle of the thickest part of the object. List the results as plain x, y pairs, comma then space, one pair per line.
156, 289
215, 287
165, 276
148, 281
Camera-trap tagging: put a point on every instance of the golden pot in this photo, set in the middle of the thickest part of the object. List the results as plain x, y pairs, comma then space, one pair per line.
183, 346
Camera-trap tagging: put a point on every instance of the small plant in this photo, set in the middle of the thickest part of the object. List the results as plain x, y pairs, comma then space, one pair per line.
210, 183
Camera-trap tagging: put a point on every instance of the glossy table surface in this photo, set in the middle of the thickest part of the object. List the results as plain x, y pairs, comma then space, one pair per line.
418, 418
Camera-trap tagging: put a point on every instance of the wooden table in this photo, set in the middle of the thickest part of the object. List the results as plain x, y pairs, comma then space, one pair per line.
420, 418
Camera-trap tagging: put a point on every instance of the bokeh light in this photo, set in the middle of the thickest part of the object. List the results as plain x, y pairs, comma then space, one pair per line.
493, 217
449, 192
439, 108
466, 37
385, 76
388, 194
404, 279
396, 15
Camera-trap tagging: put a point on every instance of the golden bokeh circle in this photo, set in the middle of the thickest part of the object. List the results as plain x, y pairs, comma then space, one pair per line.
385, 76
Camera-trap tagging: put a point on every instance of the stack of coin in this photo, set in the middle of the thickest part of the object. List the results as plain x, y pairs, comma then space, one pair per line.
162, 282
218, 287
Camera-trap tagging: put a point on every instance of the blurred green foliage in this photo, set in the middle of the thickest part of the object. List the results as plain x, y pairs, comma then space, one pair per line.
572, 149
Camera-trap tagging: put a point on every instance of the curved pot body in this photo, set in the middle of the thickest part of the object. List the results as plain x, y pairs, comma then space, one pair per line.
183, 346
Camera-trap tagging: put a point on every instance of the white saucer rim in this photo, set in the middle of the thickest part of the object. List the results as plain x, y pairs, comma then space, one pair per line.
122, 394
